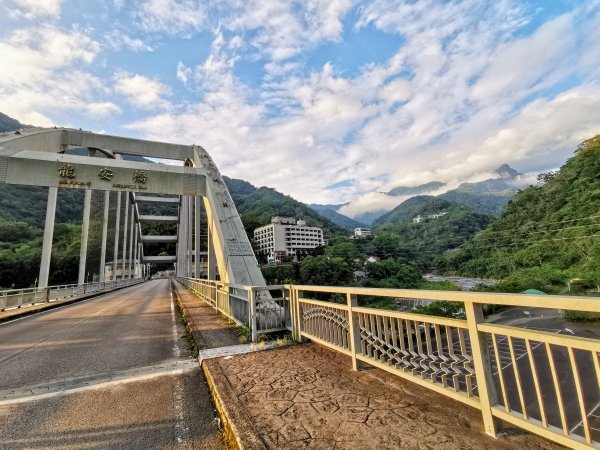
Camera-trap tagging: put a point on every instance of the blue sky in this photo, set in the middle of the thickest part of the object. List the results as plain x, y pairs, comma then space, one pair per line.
330, 101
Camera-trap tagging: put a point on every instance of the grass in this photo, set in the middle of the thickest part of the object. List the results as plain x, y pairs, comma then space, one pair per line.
189, 336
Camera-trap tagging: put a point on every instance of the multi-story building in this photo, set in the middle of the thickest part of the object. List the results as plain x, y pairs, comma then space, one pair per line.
285, 236
362, 232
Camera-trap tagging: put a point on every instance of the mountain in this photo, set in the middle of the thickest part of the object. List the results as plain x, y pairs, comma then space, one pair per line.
547, 238
331, 212
488, 196
257, 206
443, 226
10, 124
415, 190
405, 210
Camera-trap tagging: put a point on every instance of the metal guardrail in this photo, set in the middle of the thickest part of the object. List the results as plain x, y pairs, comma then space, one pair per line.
543, 382
20, 298
263, 309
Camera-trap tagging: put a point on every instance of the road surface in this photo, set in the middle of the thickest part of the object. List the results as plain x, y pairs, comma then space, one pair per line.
110, 372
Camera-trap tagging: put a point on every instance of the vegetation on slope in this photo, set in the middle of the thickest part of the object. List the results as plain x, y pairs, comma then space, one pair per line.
548, 237
257, 206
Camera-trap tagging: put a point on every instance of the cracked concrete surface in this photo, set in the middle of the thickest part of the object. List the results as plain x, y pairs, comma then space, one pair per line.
309, 397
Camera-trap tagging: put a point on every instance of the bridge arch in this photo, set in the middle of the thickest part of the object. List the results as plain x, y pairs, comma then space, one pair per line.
36, 157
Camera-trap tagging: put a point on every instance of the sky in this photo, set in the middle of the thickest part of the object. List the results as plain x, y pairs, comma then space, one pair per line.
329, 101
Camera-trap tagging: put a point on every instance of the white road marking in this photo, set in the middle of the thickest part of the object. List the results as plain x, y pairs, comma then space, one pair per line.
102, 385
181, 430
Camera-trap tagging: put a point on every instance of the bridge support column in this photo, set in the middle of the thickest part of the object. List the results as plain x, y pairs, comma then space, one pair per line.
190, 242
131, 240
125, 223
117, 230
184, 236
104, 234
197, 218
85, 228
48, 236
136, 254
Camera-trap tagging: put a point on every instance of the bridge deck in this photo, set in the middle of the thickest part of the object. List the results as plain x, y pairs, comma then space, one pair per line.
114, 372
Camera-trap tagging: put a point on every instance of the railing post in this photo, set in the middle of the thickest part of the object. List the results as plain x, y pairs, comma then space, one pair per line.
252, 305
47, 294
353, 328
483, 369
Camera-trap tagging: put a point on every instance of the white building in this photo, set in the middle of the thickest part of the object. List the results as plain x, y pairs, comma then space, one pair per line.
285, 236
362, 232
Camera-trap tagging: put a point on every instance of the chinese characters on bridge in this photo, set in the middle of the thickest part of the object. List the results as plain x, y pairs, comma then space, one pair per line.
67, 175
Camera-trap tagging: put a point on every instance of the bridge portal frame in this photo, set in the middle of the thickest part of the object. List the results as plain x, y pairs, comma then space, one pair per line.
36, 157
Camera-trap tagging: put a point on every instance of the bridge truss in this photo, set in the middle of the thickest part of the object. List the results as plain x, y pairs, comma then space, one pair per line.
36, 157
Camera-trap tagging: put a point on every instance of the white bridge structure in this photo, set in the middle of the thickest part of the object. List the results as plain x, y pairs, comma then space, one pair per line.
36, 157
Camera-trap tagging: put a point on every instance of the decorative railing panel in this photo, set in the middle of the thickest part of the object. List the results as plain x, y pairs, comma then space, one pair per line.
545, 382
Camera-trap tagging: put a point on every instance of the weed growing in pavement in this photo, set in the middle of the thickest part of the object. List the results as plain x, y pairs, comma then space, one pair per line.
189, 337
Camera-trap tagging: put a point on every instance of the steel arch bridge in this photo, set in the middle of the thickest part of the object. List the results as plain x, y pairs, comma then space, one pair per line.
36, 157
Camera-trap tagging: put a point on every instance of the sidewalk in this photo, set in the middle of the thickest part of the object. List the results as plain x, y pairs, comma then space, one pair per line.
307, 396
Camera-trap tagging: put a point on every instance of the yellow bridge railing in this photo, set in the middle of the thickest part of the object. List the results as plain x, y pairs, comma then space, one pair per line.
544, 381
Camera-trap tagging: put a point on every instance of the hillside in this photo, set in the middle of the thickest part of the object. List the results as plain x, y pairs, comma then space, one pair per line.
415, 190
548, 235
405, 210
10, 124
257, 206
421, 243
330, 212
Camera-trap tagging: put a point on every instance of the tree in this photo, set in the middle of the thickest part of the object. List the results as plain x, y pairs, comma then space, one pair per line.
320, 270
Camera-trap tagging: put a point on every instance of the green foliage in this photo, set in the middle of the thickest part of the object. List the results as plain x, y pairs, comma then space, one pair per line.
281, 274
439, 286
421, 243
257, 206
547, 235
442, 309
321, 270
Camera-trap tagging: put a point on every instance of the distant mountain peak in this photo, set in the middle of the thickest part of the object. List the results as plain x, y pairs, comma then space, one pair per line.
505, 171
415, 190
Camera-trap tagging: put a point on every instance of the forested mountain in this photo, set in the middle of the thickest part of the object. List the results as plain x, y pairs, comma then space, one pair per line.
405, 210
10, 124
257, 206
549, 236
415, 190
444, 226
330, 211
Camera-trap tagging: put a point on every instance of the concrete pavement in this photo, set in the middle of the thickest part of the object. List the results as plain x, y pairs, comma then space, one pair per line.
109, 372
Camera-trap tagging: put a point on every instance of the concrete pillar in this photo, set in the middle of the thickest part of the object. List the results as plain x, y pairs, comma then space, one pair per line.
131, 240
85, 228
197, 217
190, 242
104, 234
125, 223
48, 235
117, 226
137, 252
184, 231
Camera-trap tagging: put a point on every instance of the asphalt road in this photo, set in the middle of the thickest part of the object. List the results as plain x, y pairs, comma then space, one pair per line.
110, 372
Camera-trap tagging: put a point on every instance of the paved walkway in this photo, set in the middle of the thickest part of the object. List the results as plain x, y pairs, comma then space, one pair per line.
307, 396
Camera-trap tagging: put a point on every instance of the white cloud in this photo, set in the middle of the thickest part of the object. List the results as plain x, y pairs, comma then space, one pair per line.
32, 9
117, 40
142, 91
428, 113
177, 17
42, 73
